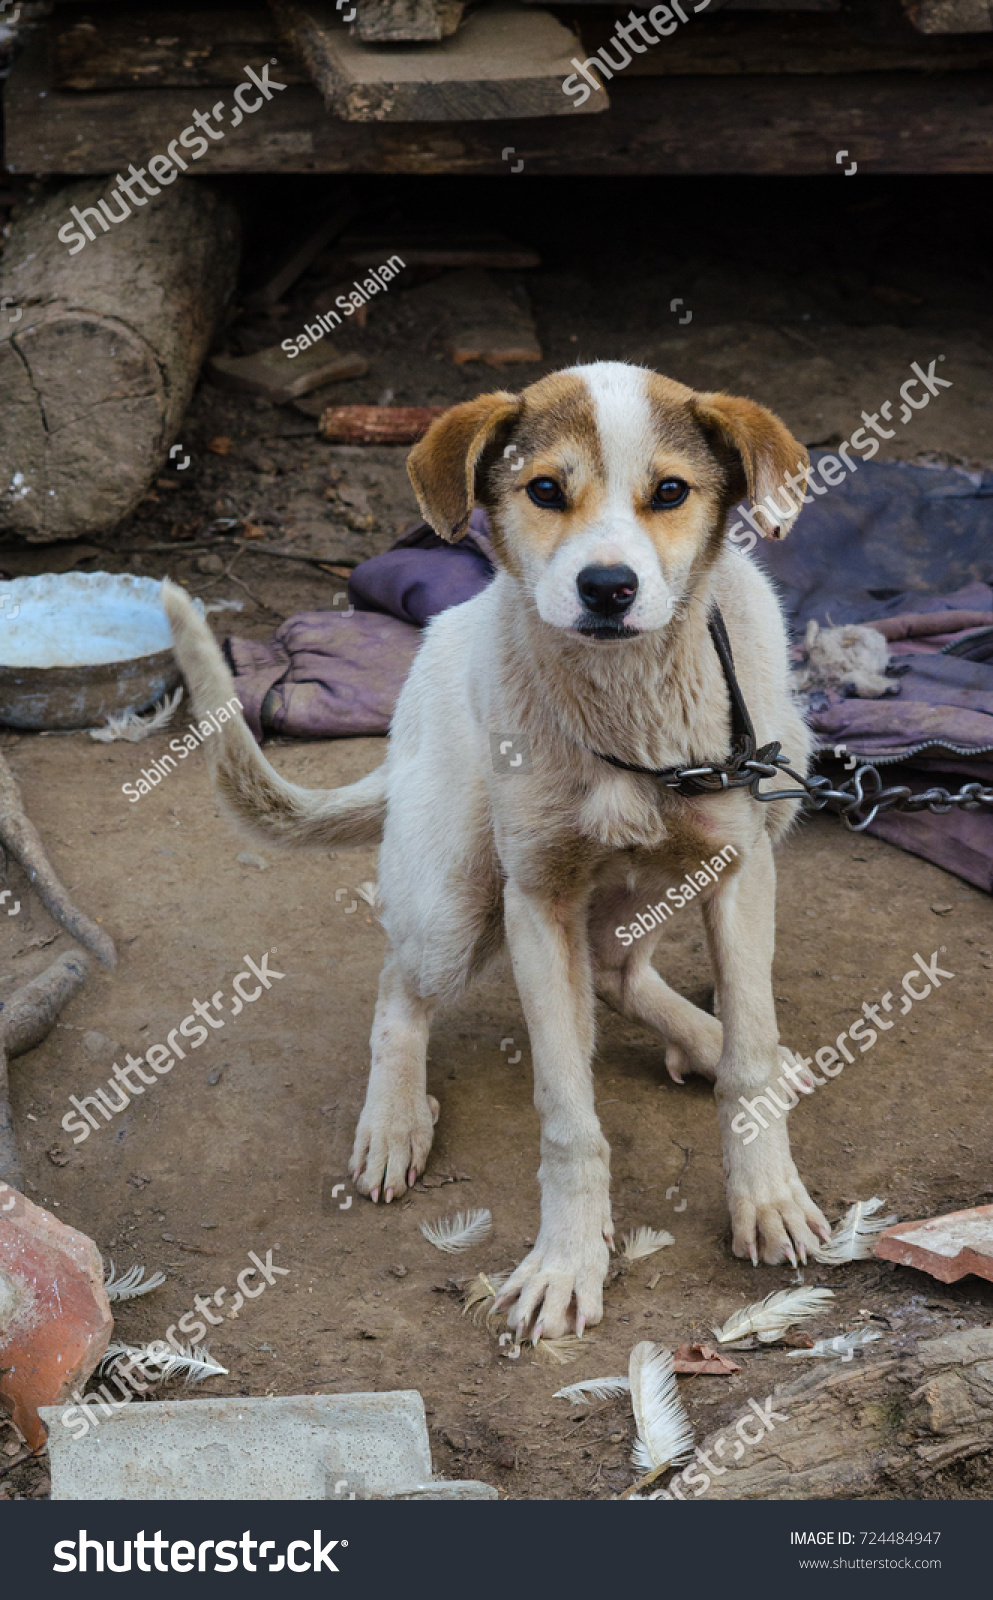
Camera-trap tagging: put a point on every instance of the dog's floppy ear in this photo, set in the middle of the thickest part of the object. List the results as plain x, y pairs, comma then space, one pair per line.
765, 453
442, 466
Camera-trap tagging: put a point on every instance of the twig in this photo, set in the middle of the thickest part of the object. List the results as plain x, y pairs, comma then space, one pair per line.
323, 563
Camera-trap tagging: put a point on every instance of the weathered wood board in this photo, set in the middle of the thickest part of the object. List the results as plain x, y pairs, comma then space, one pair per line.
902, 122
951, 16
504, 62
388, 21
735, 45
110, 48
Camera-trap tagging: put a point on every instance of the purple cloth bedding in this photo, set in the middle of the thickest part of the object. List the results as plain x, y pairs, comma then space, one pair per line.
893, 544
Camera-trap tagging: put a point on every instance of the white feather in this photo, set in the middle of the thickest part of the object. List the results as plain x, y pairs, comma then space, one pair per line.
369, 892
665, 1433
133, 727
769, 1319
853, 1238
580, 1394
843, 1345
561, 1351
645, 1242
159, 1362
459, 1232
129, 1284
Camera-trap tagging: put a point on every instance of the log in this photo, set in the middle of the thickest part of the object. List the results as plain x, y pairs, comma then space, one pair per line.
425, 21
787, 124
504, 62
97, 372
863, 1428
108, 48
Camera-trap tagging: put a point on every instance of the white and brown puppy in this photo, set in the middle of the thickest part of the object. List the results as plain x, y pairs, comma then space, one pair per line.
608, 489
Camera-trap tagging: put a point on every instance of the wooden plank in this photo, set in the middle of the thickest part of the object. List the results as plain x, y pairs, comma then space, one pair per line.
950, 16
113, 49
742, 45
425, 21
504, 62
682, 125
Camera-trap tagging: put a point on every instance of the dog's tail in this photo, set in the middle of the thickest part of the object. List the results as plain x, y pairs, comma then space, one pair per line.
250, 789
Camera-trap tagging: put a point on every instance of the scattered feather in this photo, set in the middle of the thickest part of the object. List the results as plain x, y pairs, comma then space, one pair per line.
159, 1362
665, 1433
561, 1351
369, 892
132, 726
844, 1345
853, 1238
769, 1319
222, 605
481, 1294
580, 1394
645, 1242
460, 1232
129, 1285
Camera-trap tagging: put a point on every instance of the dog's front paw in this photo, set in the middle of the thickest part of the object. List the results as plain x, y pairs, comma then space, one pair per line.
391, 1147
558, 1288
772, 1216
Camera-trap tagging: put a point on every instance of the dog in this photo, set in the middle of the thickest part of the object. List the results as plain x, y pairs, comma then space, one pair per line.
608, 489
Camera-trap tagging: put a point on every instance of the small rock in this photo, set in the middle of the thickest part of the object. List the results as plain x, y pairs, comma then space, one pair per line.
220, 446
941, 910
99, 1047
399, 1271
249, 859
210, 563
214, 1076
58, 1157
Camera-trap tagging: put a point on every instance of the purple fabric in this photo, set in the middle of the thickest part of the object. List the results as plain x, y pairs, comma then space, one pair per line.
323, 675
424, 574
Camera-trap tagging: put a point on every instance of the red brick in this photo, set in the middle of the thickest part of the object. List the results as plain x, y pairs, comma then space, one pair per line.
55, 1318
947, 1247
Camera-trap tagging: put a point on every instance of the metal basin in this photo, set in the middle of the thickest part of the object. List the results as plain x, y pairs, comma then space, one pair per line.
77, 646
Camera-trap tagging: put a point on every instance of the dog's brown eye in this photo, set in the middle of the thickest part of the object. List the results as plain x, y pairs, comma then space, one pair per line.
546, 492
670, 492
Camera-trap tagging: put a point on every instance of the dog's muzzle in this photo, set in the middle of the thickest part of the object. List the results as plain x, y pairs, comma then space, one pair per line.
607, 593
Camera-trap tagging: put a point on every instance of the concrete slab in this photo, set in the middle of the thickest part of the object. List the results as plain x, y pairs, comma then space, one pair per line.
300, 1447
948, 1247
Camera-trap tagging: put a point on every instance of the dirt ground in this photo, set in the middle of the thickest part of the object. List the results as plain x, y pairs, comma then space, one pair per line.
813, 299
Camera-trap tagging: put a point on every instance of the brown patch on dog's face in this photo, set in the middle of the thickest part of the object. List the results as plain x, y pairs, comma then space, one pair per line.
610, 501
607, 487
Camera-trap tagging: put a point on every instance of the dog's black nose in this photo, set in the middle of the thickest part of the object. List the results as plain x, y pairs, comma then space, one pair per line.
607, 591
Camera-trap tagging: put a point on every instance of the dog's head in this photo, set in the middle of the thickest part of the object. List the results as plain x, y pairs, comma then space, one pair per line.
607, 488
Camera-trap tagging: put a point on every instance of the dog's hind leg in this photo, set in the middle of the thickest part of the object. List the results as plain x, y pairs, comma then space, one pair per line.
693, 1039
396, 1127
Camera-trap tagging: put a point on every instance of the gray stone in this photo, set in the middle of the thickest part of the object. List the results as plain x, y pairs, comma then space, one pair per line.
302, 1447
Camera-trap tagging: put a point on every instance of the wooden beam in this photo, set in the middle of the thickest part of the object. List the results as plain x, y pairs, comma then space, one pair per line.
950, 16
891, 122
504, 62
108, 48
808, 45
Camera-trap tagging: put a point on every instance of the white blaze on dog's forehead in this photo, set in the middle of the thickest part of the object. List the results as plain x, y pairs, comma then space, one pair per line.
624, 418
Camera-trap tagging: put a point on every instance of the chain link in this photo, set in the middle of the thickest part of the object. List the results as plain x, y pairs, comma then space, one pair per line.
859, 800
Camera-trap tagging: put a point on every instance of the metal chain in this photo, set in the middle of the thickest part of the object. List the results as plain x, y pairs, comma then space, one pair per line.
859, 800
